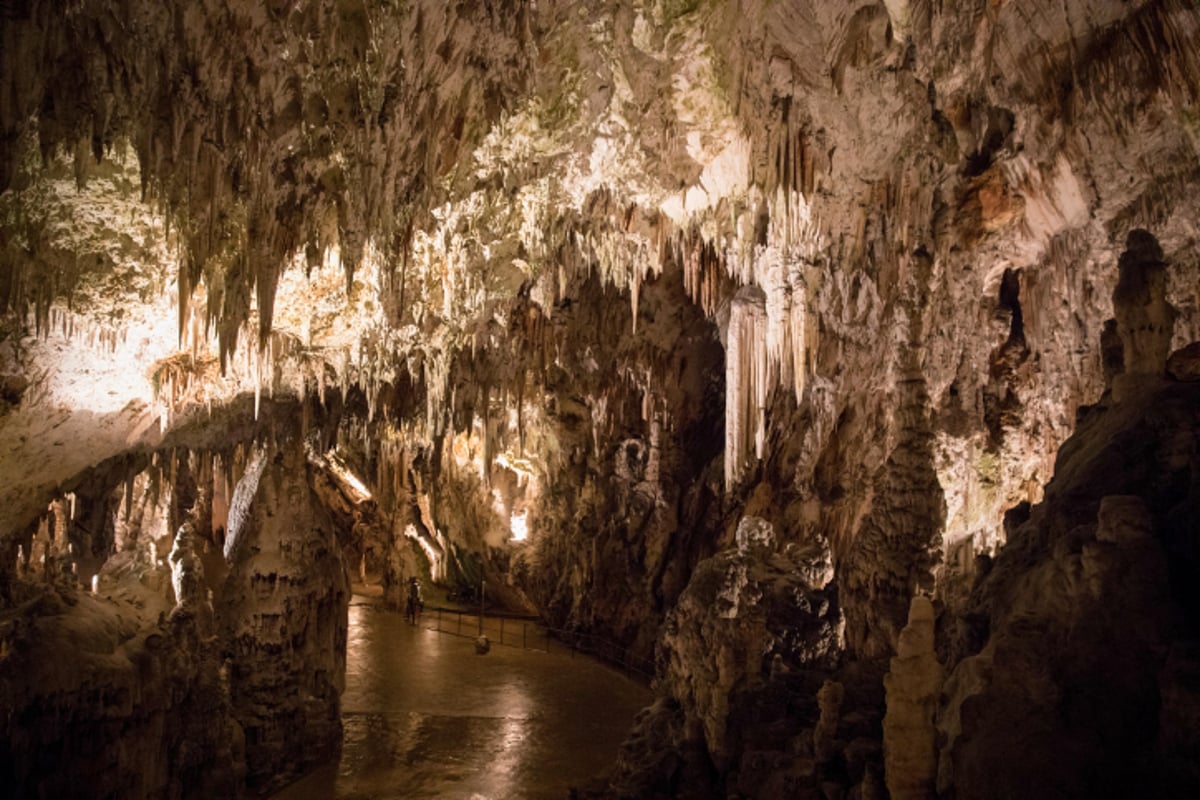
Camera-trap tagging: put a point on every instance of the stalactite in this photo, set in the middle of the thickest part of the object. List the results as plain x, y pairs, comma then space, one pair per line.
746, 382
437, 378
599, 409
257, 378
647, 397
635, 286
489, 445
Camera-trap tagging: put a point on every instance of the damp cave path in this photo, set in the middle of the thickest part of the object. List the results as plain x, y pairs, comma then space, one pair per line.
425, 717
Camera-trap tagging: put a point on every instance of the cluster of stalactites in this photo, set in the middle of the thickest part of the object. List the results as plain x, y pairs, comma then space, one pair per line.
49, 556
101, 337
438, 392
392, 467
141, 499
787, 320
769, 341
311, 125
623, 244
746, 382
702, 270
192, 377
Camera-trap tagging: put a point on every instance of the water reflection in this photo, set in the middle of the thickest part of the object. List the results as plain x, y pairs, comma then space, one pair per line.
426, 717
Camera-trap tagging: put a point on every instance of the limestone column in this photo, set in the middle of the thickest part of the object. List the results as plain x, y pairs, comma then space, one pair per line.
1145, 320
912, 686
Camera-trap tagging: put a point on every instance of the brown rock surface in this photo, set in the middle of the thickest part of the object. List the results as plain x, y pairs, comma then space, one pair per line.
743, 608
1184, 363
110, 697
912, 685
1080, 625
575, 288
283, 626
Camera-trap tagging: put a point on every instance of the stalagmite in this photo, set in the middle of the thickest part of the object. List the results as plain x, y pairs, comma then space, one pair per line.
1145, 320
912, 685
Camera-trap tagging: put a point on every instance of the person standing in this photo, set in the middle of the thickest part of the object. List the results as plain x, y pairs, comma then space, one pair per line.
413, 605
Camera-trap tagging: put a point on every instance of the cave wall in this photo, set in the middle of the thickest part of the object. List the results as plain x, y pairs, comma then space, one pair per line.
849, 269
199, 661
633, 502
283, 616
105, 700
1082, 635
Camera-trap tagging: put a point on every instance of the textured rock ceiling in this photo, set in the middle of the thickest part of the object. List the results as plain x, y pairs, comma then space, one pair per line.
757, 316
901, 221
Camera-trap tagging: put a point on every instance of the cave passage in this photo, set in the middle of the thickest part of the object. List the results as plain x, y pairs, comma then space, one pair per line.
835, 364
424, 716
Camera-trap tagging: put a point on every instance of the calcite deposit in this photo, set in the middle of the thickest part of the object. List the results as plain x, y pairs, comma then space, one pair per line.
283, 615
812, 353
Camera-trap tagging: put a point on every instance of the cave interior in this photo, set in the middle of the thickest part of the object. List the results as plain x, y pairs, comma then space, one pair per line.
840, 362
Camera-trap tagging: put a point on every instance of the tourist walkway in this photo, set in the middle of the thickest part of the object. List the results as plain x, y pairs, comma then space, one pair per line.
425, 717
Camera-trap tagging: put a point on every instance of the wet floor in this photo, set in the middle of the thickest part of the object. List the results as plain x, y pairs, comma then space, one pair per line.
425, 717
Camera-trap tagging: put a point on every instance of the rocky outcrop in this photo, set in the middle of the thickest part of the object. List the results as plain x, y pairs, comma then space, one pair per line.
283, 623
1184, 363
743, 609
113, 697
1078, 638
912, 686
132, 684
1145, 320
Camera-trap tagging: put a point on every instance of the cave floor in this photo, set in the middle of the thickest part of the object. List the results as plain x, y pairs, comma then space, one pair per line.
425, 716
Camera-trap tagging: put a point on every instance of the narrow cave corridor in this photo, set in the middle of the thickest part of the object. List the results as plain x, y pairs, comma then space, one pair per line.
834, 366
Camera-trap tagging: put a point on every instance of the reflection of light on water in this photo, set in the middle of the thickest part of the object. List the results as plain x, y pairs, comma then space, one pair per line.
510, 730
355, 639
402, 722
517, 523
514, 735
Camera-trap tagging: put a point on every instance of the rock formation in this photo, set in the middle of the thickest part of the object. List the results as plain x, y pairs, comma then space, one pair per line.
1079, 632
572, 303
912, 685
109, 696
741, 610
283, 611
1145, 320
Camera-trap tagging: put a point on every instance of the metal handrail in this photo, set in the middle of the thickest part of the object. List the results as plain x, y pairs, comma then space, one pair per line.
606, 650
450, 620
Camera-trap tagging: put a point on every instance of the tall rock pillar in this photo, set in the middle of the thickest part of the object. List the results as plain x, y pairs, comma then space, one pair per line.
284, 619
912, 686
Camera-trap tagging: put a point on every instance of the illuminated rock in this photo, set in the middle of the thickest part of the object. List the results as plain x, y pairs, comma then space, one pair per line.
630, 273
912, 684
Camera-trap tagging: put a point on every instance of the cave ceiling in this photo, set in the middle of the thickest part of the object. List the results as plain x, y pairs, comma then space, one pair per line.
213, 205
